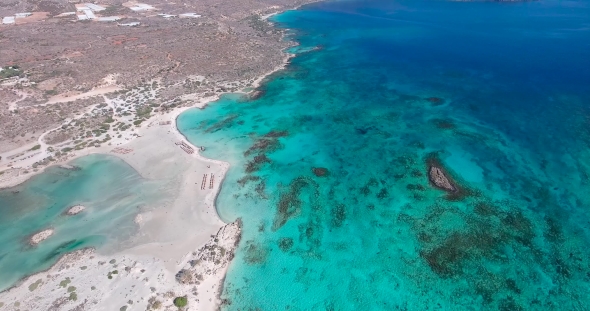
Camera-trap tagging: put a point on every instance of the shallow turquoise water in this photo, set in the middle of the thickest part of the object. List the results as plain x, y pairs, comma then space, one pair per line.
112, 192
498, 93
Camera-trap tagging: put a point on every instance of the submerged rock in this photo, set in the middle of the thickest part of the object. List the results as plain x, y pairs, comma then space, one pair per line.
439, 179
435, 100
70, 167
320, 171
255, 95
276, 134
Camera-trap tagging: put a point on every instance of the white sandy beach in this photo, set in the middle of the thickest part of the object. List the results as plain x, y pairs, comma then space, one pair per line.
169, 239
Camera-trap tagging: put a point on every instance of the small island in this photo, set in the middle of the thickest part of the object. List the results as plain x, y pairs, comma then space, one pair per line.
41, 236
440, 180
75, 210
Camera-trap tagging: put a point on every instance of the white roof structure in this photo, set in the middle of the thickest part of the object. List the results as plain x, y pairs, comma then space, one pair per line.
22, 15
8, 20
82, 8
66, 14
95, 7
130, 24
89, 14
82, 17
108, 19
194, 15
167, 15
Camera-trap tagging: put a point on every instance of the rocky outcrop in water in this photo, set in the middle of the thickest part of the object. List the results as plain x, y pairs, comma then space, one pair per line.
40, 236
439, 179
75, 210
254, 95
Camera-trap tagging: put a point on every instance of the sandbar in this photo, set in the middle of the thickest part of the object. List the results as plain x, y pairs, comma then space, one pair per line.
41, 236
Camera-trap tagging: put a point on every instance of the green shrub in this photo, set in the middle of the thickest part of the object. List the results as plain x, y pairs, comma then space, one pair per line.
9, 72
180, 302
144, 111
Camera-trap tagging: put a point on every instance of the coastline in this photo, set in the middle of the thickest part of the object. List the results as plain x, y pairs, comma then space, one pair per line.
149, 252
85, 279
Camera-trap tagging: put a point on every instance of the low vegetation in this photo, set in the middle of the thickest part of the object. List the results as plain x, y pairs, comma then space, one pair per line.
180, 302
9, 72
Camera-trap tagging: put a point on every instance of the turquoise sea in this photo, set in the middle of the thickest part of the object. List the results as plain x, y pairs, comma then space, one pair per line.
329, 165
112, 192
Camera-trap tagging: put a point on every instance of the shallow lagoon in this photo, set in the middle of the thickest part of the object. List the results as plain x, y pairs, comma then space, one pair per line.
496, 92
112, 192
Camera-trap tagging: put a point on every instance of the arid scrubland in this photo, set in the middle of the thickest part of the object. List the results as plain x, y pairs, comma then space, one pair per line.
68, 84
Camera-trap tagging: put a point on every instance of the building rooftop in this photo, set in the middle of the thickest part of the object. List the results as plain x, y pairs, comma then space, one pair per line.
95, 7
108, 19
194, 15
130, 24
22, 15
8, 20
89, 14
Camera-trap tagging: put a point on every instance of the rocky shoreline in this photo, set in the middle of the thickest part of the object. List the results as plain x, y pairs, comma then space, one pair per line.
86, 280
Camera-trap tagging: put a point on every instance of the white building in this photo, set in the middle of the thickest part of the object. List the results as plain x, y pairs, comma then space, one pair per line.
89, 14
82, 17
130, 24
22, 15
95, 7
108, 19
167, 15
193, 15
145, 6
8, 20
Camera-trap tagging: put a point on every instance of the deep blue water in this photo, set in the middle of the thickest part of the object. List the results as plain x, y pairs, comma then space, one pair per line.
329, 166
